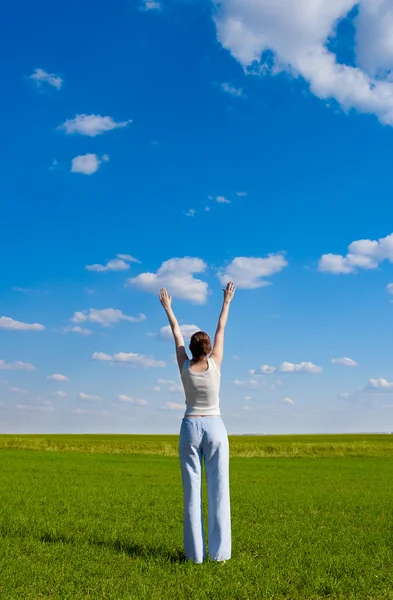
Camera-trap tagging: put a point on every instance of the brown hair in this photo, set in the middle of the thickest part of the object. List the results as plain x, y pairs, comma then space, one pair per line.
200, 345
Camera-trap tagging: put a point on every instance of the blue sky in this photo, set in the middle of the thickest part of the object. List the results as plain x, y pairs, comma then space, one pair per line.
233, 140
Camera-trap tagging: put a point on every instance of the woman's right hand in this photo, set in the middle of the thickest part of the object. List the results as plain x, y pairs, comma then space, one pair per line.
165, 299
229, 291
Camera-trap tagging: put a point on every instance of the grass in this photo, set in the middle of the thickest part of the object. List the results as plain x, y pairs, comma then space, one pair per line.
284, 446
105, 525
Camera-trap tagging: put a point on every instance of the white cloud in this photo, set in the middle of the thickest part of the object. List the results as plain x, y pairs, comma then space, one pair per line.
131, 400
333, 263
297, 34
245, 407
247, 398
303, 367
345, 361
389, 288
289, 401
222, 200
249, 273
17, 365
87, 163
172, 386
186, 331
42, 77
130, 358
88, 397
120, 263
77, 329
150, 5
34, 408
381, 384
190, 213
17, 390
128, 257
91, 125
241, 194
85, 411
7, 323
105, 317
266, 369
232, 90
374, 37
176, 274
58, 377
362, 254
59, 394
375, 387
176, 389
175, 406
42, 402
250, 383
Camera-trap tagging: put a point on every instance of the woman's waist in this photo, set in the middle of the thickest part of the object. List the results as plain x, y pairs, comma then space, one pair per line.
201, 416
202, 411
201, 399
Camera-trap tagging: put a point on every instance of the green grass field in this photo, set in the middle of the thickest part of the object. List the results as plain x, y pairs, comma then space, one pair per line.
101, 517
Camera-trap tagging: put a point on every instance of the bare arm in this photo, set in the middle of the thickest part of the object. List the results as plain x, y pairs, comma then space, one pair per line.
218, 346
181, 353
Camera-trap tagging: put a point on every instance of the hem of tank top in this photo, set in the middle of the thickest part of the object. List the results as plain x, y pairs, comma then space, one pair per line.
196, 416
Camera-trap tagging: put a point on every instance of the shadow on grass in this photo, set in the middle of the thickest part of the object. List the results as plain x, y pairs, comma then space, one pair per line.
131, 549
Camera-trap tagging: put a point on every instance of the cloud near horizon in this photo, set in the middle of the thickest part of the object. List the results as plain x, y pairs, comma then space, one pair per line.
57, 377
131, 400
17, 365
381, 384
88, 397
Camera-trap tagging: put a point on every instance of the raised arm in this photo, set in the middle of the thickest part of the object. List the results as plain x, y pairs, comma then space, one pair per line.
181, 353
218, 346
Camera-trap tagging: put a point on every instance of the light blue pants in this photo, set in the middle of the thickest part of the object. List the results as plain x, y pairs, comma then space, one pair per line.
205, 437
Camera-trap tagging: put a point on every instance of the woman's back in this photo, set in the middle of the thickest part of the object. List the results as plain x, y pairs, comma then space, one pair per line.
201, 389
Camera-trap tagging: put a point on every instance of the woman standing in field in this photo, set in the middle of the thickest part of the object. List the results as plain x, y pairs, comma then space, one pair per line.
203, 434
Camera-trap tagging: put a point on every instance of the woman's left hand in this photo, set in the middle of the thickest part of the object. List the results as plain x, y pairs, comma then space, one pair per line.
164, 298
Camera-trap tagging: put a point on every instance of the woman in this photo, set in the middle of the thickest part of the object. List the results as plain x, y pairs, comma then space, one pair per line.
203, 434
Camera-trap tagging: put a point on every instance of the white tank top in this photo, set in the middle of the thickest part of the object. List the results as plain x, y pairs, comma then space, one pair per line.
201, 389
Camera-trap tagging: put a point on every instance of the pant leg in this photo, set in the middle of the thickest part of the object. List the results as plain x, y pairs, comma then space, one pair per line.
216, 452
190, 453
